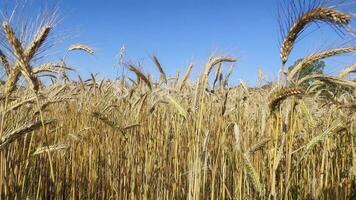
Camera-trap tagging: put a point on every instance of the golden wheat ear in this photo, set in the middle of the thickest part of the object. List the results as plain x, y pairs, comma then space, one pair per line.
5, 63
163, 75
300, 15
38, 41
13, 135
13, 41
185, 77
141, 76
277, 97
81, 47
318, 56
347, 70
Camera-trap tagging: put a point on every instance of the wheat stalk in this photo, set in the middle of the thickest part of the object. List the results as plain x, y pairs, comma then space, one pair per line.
317, 56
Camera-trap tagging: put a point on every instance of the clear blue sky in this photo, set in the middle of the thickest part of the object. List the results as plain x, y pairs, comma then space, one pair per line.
180, 31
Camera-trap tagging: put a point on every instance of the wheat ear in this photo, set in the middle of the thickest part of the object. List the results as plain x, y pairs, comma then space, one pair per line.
329, 79
10, 137
277, 97
23, 60
328, 15
55, 147
5, 63
251, 172
37, 42
185, 77
14, 42
348, 70
163, 75
317, 56
140, 75
81, 47
52, 68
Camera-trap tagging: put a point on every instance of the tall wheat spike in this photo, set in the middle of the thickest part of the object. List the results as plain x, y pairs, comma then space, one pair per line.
163, 75
23, 61
13, 41
299, 23
37, 42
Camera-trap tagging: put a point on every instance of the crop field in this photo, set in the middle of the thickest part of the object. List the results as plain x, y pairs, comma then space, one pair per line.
175, 137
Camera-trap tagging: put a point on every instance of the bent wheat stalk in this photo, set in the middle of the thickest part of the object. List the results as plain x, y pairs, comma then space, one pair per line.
140, 75
203, 80
13, 135
163, 75
329, 79
277, 97
317, 56
348, 70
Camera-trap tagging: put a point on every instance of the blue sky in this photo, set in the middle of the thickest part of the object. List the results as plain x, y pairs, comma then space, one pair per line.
180, 32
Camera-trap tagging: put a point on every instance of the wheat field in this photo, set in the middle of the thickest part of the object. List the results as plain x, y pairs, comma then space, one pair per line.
171, 137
